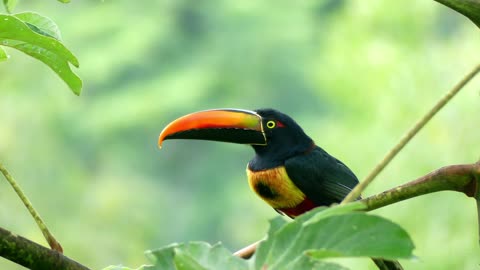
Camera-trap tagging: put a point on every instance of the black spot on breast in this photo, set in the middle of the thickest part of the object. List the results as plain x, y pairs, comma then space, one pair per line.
265, 191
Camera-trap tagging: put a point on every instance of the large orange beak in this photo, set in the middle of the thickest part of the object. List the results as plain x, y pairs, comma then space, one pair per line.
223, 125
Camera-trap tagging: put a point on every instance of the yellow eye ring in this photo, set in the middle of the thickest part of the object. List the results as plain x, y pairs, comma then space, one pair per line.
271, 124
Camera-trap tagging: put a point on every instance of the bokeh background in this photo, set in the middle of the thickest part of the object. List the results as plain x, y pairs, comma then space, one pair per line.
354, 74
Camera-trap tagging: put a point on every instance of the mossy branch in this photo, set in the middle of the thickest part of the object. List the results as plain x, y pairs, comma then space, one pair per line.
460, 178
32, 255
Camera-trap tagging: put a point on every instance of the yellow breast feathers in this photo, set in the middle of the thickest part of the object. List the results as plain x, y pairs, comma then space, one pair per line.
275, 187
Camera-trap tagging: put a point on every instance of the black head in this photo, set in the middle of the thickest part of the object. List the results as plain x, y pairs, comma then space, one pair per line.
284, 137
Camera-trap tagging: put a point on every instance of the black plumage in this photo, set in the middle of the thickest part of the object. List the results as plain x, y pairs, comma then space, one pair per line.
320, 176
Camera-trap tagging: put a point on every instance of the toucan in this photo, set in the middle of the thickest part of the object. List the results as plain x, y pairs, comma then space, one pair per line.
289, 171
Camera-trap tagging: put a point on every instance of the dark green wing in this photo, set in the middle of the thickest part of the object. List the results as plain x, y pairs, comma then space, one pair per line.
321, 177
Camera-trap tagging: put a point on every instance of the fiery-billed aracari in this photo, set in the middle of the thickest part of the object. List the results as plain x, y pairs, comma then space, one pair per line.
289, 171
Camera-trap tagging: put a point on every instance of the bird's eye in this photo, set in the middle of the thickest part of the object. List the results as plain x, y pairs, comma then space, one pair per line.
271, 124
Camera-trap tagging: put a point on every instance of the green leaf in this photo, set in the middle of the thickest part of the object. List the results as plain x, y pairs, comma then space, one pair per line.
3, 55
162, 258
195, 255
265, 248
16, 34
337, 210
64, 1
9, 5
40, 24
184, 261
328, 235
469, 8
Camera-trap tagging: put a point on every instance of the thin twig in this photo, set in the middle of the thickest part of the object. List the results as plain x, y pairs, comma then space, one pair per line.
355, 193
54, 244
247, 251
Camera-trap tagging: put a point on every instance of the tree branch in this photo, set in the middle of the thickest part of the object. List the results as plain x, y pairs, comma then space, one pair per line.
460, 178
32, 255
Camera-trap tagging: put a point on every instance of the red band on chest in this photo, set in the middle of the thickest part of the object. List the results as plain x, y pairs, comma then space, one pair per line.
303, 207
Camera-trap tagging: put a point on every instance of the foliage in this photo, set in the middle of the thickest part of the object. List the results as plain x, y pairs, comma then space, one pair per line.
40, 38
304, 243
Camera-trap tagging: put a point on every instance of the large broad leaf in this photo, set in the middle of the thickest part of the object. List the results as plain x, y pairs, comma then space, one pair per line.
272, 248
303, 244
195, 255
202, 256
469, 8
333, 233
37, 38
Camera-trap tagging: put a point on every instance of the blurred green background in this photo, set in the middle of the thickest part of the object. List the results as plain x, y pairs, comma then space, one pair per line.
354, 74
